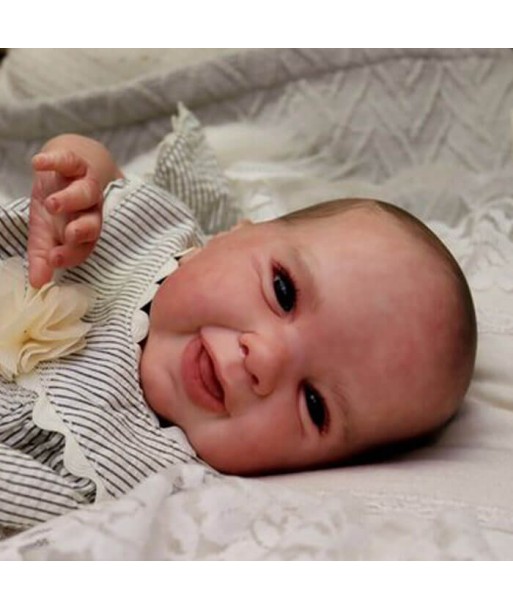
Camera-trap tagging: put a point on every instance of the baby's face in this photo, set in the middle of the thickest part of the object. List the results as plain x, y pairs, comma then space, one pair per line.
282, 347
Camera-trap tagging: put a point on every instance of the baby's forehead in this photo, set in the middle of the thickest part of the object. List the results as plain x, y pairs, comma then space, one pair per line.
374, 247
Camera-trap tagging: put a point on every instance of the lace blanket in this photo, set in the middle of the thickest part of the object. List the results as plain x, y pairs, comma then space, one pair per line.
178, 515
427, 129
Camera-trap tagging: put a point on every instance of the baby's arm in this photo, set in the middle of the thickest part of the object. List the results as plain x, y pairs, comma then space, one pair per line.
70, 174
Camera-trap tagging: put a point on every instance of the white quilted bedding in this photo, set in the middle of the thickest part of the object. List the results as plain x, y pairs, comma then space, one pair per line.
427, 129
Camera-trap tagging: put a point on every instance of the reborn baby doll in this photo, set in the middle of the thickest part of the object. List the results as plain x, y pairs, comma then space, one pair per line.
285, 345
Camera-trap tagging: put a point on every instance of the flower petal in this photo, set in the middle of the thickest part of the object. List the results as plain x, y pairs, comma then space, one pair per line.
38, 325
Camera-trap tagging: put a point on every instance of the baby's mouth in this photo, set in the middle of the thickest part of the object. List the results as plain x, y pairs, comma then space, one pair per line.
209, 376
201, 381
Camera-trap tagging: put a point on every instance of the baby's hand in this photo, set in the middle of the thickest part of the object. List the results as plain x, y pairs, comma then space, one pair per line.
65, 213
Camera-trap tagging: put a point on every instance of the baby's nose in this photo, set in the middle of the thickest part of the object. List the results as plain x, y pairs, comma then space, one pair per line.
265, 360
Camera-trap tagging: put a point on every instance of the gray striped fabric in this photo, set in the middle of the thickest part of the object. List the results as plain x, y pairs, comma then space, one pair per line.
96, 391
185, 159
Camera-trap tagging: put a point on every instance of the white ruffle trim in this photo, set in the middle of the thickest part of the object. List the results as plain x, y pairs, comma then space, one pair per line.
45, 416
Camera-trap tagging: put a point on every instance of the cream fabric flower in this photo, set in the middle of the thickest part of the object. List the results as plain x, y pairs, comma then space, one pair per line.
38, 325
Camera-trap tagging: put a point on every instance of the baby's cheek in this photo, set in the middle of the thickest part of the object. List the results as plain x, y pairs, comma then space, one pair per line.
243, 444
193, 300
178, 303
213, 443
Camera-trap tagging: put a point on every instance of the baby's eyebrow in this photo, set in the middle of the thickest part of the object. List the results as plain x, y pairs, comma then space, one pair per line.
306, 279
338, 403
341, 405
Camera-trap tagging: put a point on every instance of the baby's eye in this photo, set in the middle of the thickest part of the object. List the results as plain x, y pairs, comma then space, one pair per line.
284, 289
316, 407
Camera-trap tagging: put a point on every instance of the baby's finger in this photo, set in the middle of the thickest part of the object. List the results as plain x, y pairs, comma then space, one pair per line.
40, 272
65, 256
84, 229
66, 162
78, 196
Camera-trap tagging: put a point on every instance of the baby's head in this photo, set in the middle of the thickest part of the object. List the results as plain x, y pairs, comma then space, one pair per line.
311, 339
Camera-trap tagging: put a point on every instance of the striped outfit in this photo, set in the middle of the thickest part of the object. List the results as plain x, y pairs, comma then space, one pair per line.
79, 429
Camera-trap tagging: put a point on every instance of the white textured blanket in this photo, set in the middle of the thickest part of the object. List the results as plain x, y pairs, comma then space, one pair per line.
179, 515
427, 129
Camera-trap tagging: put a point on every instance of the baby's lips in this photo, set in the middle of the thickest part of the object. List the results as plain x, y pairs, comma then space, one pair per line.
197, 381
210, 376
